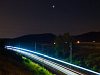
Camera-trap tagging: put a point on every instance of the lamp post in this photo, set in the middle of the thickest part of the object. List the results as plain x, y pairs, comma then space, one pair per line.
70, 52
19, 44
35, 46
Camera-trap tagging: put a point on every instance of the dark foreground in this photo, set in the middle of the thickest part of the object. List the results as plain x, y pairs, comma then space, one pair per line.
12, 63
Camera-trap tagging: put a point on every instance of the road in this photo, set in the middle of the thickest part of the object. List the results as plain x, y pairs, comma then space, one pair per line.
33, 55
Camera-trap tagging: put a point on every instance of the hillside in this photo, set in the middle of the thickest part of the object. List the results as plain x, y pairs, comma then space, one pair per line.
12, 63
41, 41
45, 38
88, 37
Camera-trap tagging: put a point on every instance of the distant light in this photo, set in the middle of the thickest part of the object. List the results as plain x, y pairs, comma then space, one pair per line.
54, 43
66, 42
93, 41
53, 6
78, 42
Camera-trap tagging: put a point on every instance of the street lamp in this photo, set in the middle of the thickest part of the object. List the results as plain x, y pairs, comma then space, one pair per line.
78, 42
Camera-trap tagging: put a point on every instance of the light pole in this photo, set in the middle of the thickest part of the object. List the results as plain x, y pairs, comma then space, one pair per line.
35, 46
70, 52
19, 44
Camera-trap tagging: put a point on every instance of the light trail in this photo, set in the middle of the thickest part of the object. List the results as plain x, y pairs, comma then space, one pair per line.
46, 62
81, 68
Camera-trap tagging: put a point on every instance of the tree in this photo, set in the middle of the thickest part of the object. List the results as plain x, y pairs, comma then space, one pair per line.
66, 44
58, 46
2, 43
61, 46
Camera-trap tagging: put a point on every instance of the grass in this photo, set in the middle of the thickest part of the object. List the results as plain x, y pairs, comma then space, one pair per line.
36, 69
9, 66
12, 63
88, 54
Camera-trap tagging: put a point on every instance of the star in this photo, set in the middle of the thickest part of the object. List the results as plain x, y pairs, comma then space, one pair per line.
53, 6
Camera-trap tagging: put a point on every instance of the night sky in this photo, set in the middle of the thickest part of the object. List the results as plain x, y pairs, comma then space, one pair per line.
21, 17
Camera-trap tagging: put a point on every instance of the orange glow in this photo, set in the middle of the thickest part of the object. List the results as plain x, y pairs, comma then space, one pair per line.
78, 41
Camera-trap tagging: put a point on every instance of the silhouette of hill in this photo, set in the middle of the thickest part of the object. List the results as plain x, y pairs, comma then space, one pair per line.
29, 41
44, 38
88, 37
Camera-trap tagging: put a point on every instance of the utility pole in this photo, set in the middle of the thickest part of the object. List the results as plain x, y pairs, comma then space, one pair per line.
8, 43
70, 52
35, 46
19, 45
